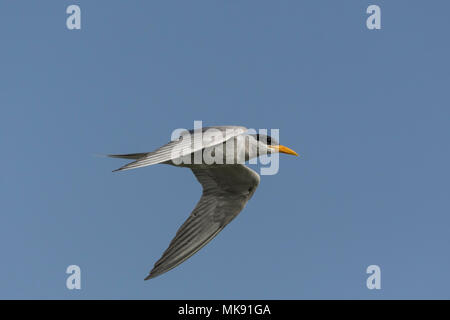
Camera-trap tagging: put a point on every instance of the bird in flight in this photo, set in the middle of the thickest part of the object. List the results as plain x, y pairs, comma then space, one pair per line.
227, 183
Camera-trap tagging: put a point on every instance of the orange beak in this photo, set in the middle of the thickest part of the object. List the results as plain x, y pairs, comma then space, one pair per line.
283, 149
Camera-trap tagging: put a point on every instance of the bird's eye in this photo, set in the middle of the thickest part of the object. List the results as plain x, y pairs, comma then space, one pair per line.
269, 140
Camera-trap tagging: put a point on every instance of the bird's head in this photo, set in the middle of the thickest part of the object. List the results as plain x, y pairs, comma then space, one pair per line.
267, 144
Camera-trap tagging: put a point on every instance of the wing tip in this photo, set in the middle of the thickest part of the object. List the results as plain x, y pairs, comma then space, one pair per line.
148, 277
152, 275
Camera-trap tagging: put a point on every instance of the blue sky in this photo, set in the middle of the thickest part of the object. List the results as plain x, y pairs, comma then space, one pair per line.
367, 110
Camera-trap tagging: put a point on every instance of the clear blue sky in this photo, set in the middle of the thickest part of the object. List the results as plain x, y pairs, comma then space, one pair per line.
368, 110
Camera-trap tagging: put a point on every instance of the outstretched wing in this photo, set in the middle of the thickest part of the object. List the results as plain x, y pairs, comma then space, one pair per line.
189, 142
226, 190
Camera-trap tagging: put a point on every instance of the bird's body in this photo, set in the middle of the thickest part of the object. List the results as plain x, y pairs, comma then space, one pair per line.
216, 156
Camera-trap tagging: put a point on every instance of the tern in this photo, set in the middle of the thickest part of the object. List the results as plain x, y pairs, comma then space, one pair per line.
227, 185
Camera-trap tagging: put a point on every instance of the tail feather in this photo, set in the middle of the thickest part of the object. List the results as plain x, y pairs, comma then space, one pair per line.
129, 155
134, 156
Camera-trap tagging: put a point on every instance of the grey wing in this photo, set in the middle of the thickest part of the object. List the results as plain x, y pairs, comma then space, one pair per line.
226, 190
188, 142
